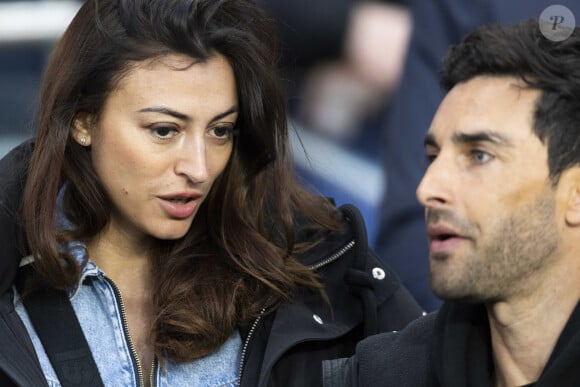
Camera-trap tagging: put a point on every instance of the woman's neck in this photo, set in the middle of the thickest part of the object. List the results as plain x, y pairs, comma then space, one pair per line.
120, 254
126, 262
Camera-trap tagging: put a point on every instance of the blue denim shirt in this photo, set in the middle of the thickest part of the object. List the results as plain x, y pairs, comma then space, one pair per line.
98, 307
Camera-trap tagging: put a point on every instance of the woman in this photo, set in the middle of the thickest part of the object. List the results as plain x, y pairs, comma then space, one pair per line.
160, 197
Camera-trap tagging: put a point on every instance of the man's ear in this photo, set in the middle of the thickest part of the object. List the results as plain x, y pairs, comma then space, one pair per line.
81, 128
571, 178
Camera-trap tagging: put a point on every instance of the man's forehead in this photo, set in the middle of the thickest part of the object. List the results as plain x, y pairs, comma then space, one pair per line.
500, 105
487, 94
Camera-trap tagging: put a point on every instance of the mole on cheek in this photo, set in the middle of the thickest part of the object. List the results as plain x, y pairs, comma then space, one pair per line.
125, 192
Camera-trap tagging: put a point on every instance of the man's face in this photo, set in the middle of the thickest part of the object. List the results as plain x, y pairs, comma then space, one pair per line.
490, 206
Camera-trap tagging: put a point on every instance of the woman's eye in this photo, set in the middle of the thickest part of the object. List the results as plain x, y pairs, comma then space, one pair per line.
164, 131
222, 132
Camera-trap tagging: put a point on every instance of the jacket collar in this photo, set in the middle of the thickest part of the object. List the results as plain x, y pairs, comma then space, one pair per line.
342, 260
461, 352
13, 171
462, 349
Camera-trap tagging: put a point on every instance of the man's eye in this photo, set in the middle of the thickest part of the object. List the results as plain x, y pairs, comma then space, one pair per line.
429, 158
480, 156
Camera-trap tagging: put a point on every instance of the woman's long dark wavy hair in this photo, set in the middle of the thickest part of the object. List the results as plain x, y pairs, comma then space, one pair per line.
239, 255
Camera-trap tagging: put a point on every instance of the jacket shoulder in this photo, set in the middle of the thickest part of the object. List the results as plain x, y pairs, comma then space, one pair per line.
409, 346
392, 359
18, 362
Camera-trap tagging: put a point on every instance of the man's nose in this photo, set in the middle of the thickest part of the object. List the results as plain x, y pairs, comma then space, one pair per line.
436, 185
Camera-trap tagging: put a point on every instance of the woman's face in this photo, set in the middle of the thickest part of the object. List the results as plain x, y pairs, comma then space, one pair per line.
164, 135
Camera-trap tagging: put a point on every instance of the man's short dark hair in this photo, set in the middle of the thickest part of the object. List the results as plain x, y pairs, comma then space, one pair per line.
553, 67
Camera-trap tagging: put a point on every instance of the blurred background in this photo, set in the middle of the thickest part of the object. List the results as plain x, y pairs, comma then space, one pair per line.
342, 61
28, 31
362, 85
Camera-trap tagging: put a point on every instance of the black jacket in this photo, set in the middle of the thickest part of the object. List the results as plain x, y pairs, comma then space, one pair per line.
283, 348
449, 348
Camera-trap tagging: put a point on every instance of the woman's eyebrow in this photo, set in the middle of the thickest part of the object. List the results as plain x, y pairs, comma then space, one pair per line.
182, 116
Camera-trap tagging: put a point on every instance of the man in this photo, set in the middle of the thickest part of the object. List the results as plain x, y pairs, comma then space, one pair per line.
502, 208
437, 24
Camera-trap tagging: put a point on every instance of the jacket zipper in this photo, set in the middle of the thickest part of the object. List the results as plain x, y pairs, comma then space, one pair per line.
152, 379
334, 256
121, 305
246, 343
316, 266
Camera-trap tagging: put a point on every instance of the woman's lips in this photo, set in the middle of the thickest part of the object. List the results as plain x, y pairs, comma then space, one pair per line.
179, 208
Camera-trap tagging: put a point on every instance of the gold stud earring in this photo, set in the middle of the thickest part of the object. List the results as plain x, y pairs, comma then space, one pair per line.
83, 141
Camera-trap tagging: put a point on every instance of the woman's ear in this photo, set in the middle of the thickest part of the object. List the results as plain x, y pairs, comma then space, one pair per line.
81, 128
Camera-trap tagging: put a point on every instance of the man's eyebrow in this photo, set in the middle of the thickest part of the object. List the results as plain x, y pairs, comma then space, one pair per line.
182, 116
482, 136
